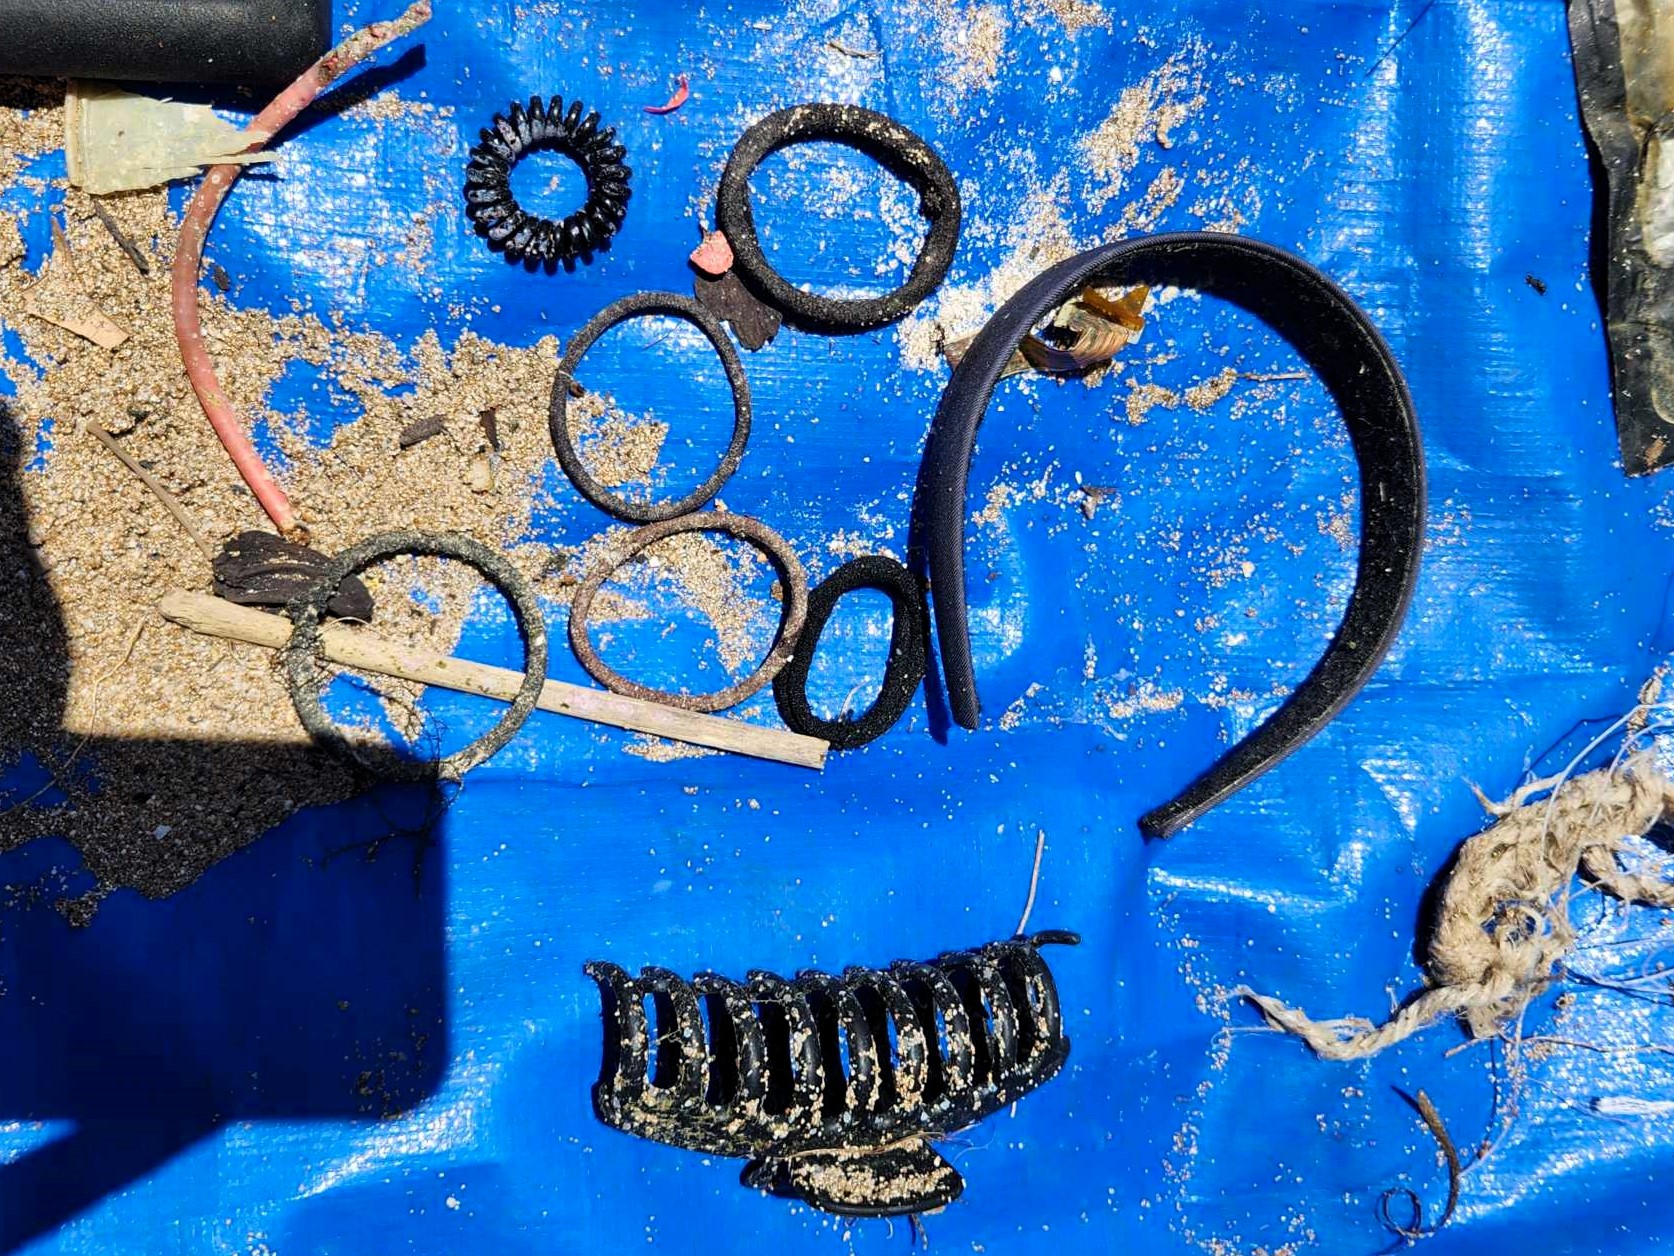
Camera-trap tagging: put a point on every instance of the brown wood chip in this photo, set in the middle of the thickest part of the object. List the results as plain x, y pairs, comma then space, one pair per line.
420, 430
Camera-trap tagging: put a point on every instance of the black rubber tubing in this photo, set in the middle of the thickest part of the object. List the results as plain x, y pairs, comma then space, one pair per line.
1356, 365
178, 41
903, 671
894, 147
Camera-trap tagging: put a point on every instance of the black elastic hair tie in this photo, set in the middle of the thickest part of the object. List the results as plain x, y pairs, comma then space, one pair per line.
301, 664
902, 672
1355, 364
895, 148
558, 419
513, 230
624, 547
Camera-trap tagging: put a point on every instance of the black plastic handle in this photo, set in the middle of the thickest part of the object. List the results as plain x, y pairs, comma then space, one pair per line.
164, 41
1339, 342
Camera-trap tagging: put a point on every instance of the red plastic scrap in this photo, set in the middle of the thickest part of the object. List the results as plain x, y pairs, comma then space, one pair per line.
681, 94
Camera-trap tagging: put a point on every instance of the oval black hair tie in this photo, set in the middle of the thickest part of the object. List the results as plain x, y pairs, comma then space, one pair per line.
902, 672
1355, 364
302, 672
569, 457
513, 230
895, 148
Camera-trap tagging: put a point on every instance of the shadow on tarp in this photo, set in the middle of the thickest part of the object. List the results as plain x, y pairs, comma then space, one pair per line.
302, 977
298, 979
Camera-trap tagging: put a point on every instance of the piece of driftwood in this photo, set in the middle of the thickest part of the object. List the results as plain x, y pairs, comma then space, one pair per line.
359, 649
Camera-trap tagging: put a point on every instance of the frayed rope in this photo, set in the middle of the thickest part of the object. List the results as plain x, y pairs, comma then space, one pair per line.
1502, 926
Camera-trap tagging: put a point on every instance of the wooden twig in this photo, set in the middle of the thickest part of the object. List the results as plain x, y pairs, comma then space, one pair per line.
59, 298
155, 485
362, 651
421, 430
848, 50
1417, 1229
122, 240
1034, 883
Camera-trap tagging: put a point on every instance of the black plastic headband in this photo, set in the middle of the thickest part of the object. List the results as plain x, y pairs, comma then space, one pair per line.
1355, 364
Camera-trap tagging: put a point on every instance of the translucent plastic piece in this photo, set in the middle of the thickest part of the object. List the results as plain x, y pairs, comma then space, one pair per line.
1647, 28
117, 141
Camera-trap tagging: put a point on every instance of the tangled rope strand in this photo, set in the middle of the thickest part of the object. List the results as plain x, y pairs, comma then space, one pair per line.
1502, 926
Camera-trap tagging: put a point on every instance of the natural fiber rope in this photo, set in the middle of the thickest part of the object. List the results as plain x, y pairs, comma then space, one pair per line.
1502, 926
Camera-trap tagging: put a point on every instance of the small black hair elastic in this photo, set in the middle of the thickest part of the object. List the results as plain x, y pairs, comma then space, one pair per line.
523, 236
302, 671
902, 672
558, 414
792, 613
894, 147
1353, 361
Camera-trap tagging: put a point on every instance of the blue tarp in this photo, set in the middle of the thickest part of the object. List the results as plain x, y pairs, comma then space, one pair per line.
192, 1074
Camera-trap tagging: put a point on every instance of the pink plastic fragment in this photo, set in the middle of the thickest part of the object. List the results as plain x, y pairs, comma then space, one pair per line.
714, 256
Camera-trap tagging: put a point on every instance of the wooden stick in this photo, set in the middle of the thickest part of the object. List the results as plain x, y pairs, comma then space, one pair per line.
121, 238
350, 647
170, 502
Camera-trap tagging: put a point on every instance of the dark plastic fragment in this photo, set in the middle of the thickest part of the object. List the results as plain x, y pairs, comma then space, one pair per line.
1627, 102
753, 322
261, 569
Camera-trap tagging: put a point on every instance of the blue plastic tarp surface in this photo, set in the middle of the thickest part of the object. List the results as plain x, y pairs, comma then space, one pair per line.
188, 1075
